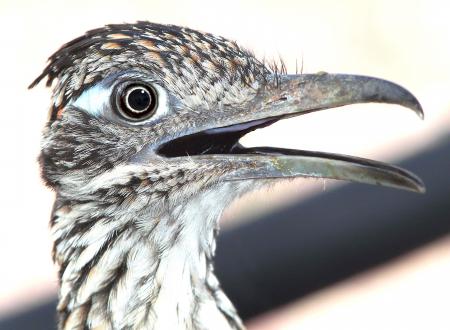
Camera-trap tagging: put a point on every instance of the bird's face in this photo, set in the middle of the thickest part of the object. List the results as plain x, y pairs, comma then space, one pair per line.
142, 147
167, 106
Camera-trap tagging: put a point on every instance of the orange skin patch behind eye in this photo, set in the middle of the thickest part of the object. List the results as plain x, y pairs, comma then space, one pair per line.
59, 112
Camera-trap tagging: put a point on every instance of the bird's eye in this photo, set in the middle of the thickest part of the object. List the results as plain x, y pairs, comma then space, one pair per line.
137, 101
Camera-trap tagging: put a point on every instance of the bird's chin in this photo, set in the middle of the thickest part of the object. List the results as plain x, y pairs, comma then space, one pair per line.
297, 95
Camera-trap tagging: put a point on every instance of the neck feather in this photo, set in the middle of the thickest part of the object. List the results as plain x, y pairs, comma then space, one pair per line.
145, 269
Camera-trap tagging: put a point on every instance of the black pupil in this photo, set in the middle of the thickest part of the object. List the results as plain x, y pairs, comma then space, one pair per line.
139, 99
137, 102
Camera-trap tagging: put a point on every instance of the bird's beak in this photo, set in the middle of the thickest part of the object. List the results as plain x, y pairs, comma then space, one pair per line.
293, 95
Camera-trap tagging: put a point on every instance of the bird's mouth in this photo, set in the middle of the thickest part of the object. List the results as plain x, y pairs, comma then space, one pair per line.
214, 141
297, 95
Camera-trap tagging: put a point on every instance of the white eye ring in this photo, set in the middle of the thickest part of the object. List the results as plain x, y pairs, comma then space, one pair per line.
100, 100
93, 100
136, 101
143, 104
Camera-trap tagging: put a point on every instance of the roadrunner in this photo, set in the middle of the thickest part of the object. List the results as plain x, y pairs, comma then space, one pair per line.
142, 149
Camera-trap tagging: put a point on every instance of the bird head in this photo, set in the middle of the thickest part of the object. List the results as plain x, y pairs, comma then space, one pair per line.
159, 96
142, 148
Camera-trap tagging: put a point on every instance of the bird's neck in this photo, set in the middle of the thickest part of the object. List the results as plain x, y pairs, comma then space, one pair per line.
150, 268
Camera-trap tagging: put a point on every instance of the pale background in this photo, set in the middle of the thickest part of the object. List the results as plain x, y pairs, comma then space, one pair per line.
404, 41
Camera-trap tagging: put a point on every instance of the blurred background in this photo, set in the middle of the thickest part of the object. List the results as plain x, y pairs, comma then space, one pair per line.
307, 254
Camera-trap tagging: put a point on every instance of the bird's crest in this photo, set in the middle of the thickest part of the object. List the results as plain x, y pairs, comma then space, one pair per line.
164, 50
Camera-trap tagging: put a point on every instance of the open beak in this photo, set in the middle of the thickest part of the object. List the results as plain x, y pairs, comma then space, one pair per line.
294, 95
